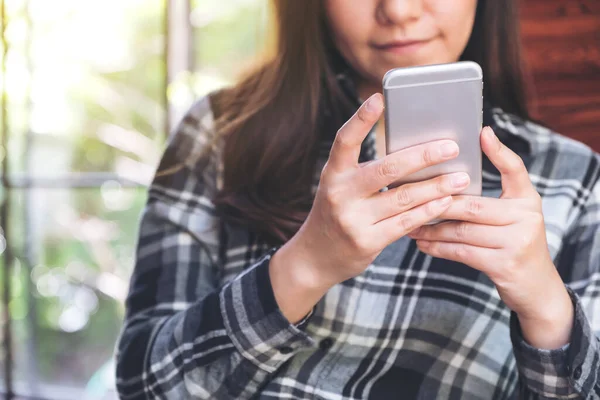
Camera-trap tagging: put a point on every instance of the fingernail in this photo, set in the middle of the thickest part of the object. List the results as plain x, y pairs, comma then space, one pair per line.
374, 103
449, 149
490, 132
443, 202
460, 180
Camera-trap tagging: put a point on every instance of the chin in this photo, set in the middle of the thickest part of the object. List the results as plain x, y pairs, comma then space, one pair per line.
381, 71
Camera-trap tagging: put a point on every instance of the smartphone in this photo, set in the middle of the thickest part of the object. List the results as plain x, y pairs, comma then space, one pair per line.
432, 102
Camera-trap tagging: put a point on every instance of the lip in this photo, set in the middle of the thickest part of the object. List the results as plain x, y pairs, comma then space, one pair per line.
402, 46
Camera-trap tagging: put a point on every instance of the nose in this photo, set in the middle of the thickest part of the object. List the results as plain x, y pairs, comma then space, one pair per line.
400, 11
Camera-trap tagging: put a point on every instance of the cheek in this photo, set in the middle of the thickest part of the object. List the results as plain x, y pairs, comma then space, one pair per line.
455, 20
350, 23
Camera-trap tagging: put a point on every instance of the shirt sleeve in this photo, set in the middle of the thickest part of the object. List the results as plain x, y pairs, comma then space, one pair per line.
185, 335
572, 371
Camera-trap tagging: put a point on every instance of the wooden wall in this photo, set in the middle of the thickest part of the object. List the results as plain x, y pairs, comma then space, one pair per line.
562, 45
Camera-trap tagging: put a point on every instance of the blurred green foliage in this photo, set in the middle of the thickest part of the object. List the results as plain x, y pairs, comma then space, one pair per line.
86, 77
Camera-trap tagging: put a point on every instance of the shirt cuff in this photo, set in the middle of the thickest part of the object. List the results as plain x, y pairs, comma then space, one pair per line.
254, 322
569, 371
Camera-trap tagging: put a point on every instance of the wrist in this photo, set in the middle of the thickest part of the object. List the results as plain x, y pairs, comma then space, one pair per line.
301, 268
550, 328
296, 281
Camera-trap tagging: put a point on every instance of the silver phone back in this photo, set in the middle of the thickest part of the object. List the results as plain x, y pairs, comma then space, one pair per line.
427, 103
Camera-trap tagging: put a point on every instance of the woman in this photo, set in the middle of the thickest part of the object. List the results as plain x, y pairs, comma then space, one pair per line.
271, 265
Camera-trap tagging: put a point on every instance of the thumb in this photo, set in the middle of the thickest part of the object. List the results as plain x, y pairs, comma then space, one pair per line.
515, 179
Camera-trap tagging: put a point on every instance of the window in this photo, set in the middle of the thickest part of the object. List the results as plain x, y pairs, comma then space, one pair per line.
90, 90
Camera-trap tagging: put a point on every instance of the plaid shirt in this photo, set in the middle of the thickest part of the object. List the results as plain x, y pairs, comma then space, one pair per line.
202, 321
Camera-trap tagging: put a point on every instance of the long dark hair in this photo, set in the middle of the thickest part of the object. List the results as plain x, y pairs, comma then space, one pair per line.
272, 121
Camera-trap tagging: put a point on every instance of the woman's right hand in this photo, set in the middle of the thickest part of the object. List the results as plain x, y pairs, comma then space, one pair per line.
351, 221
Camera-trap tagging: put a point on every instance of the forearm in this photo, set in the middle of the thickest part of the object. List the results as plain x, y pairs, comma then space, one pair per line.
158, 354
172, 348
570, 371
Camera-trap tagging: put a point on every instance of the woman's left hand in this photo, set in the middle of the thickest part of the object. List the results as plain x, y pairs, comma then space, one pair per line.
505, 238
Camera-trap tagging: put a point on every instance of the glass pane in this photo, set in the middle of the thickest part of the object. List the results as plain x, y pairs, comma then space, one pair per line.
227, 35
94, 72
15, 81
68, 307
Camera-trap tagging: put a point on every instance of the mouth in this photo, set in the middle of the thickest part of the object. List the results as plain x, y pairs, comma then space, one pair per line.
402, 46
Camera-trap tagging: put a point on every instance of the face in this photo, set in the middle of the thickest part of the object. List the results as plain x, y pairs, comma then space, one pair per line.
375, 36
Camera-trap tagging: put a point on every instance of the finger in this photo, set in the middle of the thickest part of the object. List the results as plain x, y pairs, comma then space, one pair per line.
346, 146
394, 166
493, 237
365, 163
403, 198
392, 229
476, 257
483, 210
515, 179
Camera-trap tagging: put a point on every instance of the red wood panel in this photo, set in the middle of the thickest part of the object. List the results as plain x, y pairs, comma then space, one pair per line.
562, 46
